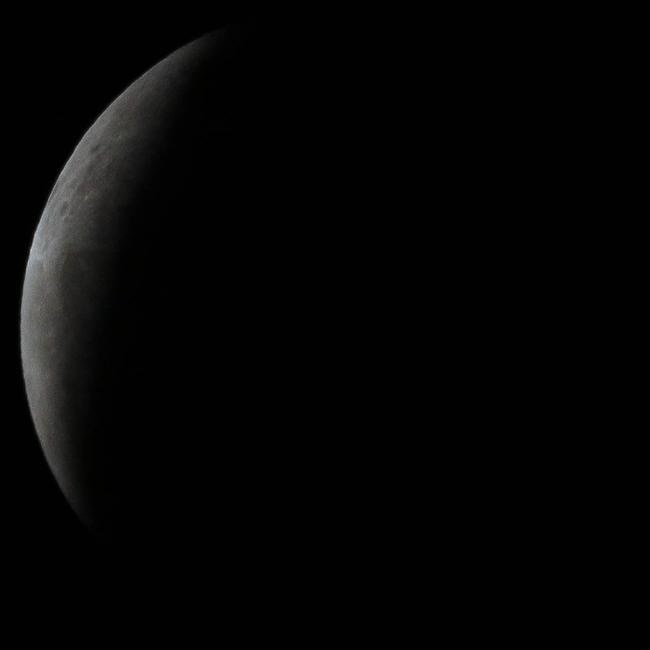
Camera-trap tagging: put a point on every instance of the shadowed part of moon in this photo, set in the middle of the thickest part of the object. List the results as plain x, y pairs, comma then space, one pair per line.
176, 337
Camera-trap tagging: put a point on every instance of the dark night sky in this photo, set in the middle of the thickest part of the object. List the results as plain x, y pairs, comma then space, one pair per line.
417, 149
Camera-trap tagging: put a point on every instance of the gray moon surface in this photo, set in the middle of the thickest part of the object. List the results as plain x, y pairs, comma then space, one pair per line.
76, 244
129, 289
185, 301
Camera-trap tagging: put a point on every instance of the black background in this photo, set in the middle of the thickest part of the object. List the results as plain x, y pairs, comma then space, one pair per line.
60, 70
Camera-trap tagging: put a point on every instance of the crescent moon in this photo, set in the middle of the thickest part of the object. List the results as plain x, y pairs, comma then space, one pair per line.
128, 296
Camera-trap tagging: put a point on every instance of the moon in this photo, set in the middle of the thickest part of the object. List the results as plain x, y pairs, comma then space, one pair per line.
153, 302
188, 329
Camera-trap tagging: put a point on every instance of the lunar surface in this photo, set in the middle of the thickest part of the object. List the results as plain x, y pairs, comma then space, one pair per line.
183, 309
151, 293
